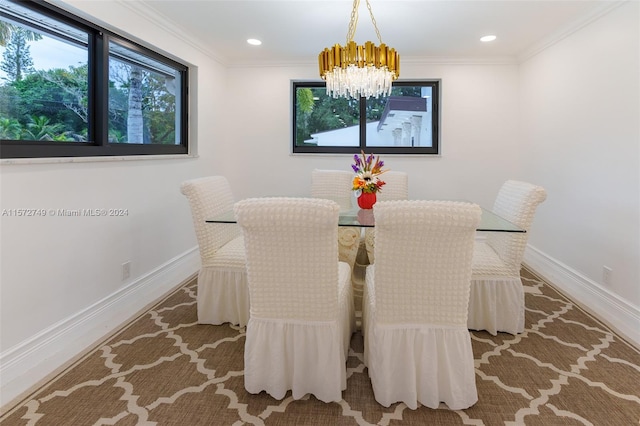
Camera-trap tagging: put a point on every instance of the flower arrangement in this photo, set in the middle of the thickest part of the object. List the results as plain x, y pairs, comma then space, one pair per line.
368, 169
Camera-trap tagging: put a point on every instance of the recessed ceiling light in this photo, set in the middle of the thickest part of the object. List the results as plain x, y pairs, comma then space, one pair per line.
488, 38
254, 42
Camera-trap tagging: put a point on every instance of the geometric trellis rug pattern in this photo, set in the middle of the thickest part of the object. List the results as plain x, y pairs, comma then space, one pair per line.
165, 369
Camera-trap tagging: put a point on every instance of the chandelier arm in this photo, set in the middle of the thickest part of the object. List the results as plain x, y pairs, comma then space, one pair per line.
374, 21
353, 23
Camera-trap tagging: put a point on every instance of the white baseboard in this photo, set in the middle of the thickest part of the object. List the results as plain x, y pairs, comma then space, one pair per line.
30, 362
609, 308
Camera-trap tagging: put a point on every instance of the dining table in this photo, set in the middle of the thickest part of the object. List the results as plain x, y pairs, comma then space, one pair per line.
364, 218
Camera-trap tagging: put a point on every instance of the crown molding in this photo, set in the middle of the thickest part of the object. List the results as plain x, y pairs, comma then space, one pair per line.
145, 11
565, 32
461, 60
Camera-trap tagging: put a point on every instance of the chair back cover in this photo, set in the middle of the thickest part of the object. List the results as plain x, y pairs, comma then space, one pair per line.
208, 197
337, 185
423, 257
396, 186
301, 315
333, 185
416, 343
222, 294
292, 257
517, 202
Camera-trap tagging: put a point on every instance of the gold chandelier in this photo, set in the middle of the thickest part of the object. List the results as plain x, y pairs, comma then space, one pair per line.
357, 70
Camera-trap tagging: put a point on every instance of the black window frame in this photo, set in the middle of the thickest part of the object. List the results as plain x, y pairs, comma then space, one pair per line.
98, 144
433, 150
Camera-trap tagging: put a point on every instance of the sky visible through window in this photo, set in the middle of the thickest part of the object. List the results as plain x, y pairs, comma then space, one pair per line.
49, 53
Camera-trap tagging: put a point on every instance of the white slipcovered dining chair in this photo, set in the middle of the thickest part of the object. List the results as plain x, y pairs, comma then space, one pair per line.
336, 185
396, 188
223, 295
497, 295
302, 315
416, 343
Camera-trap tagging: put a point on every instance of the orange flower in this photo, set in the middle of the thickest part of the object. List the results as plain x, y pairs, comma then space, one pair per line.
367, 169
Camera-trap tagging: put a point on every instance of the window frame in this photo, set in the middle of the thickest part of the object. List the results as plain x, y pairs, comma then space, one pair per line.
98, 144
432, 150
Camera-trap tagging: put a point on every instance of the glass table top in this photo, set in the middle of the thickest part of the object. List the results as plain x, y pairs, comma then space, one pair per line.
489, 222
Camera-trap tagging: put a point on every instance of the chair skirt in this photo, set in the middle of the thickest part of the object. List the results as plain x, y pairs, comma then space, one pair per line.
306, 357
418, 363
223, 293
496, 304
496, 300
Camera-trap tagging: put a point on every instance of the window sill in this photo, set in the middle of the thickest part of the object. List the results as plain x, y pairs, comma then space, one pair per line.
54, 160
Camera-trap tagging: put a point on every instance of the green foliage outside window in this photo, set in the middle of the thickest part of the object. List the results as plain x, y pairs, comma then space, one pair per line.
49, 94
405, 122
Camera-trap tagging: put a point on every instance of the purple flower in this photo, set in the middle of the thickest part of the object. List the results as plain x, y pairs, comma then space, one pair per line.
356, 158
355, 168
381, 164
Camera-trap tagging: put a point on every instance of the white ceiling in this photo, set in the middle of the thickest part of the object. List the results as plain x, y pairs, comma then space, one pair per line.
295, 31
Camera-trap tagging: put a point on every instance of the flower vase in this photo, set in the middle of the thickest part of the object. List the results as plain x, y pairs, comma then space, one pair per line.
366, 200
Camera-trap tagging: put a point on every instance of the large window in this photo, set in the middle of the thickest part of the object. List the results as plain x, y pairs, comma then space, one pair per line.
69, 88
406, 122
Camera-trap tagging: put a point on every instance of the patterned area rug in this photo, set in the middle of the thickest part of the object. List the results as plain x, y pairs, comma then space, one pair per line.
164, 369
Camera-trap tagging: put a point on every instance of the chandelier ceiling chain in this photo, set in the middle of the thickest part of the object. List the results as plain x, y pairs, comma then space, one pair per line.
353, 22
373, 20
355, 70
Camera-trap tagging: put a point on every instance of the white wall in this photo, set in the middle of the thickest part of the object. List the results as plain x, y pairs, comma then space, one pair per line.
479, 130
580, 136
56, 271
566, 119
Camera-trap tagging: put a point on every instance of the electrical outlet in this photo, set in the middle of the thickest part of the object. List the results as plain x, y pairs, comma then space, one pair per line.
126, 270
606, 275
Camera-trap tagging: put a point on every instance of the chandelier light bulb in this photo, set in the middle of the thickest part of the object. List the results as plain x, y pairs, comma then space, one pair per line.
488, 38
355, 71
